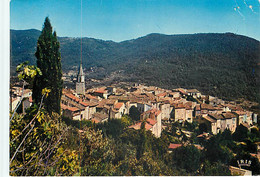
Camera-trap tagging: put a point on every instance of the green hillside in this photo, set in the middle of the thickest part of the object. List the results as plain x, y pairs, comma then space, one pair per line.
224, 65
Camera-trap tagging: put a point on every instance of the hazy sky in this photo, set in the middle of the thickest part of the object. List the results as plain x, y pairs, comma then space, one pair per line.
120, 20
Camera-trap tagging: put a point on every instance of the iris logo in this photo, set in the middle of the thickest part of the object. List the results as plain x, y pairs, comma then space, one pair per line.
242, 162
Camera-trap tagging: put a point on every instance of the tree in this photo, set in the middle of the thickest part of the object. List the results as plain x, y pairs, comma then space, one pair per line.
186, 157
134, 113
49, 62
241, 133
215, 169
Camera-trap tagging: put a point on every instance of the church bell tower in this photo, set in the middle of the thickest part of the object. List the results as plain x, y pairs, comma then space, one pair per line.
80, 84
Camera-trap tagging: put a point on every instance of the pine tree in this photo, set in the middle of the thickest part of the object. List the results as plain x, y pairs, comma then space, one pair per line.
49, 62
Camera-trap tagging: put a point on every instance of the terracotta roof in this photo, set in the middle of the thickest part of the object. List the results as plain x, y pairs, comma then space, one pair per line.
207, 107
71, 96
72, 109
210, 119
228, 115
197, 107
162, 94
151, 121
174, 146
188, 105
84, 103
216, 116
137, 126
179, 106
90, 96
193, 91
101, 90
154, 111
240, 112
118, 105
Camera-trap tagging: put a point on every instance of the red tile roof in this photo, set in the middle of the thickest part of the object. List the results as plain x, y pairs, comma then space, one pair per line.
72, 109
154, 111
162, 94
174, 146
118, 105
100, 90
137, 126
151, 121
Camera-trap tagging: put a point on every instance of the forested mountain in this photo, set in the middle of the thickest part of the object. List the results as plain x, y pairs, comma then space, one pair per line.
224, 65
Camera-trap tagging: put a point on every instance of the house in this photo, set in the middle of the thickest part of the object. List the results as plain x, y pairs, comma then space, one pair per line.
101, 92
165, 109
179, 112
231, 121
99, 117
143, 107
150, 125
194, 93
219, 122
154, 118
71, 112
120, 109
189, 111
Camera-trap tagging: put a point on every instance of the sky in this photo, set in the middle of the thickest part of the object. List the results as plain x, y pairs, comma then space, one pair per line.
120, 20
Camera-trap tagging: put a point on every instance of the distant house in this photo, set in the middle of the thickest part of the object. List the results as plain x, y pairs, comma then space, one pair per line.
194, 93
153, 117
219, 122
120, 108
143, 107
71, 112
150, 124
101, 92
179, 112
99, 117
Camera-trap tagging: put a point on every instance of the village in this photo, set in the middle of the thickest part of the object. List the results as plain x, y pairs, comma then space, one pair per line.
157, 106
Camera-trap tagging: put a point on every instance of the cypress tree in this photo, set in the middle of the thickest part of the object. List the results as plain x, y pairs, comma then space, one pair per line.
49, 62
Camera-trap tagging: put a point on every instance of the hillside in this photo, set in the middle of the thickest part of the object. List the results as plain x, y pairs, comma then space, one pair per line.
224, 65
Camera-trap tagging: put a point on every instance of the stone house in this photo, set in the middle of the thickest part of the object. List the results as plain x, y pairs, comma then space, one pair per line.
179, 112
153, 122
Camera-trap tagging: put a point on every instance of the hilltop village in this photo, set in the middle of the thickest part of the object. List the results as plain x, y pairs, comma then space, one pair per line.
158, 107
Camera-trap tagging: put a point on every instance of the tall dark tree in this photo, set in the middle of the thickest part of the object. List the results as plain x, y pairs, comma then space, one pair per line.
49, 61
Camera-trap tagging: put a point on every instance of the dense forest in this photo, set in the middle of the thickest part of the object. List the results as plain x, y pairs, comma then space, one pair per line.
223, 65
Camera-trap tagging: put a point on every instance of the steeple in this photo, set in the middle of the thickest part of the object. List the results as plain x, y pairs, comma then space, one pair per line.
80, 84
81, 77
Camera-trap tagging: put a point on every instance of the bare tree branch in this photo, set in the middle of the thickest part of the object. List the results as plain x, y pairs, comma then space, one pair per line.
21, 143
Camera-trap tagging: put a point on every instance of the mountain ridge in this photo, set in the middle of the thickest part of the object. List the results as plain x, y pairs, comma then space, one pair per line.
224, 61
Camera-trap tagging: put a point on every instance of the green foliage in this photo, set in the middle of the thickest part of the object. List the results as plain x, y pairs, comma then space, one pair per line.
49, 62
96, 155
134, 113
36, 142
112, 128
241, 133
216, 152
27, 72
186, 157
215, 169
